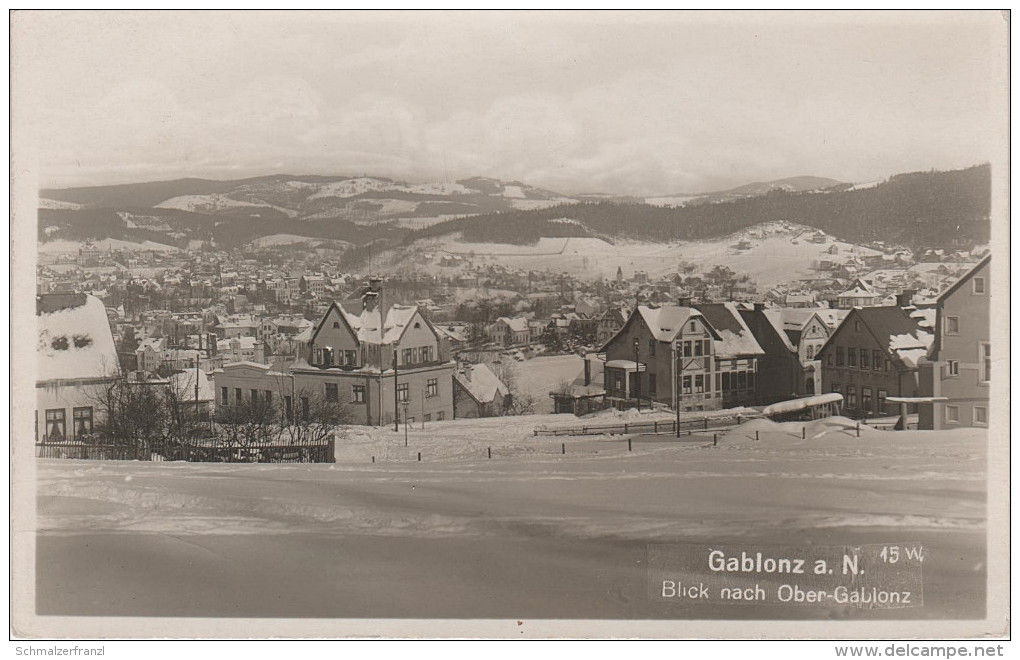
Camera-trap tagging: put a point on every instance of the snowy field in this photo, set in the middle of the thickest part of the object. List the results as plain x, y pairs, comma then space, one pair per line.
541, 375
775, 255
528, 533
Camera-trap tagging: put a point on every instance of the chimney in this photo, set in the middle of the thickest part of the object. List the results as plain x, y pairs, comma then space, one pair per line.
587, 371
759, 307
904, 298
467, 372
684, 301
260, 352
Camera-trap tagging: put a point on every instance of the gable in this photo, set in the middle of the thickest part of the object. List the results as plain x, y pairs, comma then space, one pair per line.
417, 332
334, 331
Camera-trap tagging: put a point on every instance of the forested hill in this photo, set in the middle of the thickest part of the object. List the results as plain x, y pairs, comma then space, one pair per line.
920, 209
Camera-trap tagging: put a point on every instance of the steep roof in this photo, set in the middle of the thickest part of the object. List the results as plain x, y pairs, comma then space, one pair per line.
516, 324
735, 338
483, 385
76, 342
964, 278
901, 334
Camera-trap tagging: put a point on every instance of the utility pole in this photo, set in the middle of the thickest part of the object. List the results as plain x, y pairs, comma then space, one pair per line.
637, 372
677, 370
396, 396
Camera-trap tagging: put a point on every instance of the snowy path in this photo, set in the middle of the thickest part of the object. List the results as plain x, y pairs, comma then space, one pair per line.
547, 536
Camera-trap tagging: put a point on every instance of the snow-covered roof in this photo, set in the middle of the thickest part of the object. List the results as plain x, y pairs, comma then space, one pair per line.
911, 347
76, 342
735, 338
801, 404
516, 324
482, 383
244, 343
667, 321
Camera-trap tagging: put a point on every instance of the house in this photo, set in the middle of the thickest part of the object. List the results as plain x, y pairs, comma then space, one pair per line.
959, 364
384, 362
873, 355
791, 339
509, 331
75, 355
860, 294
610, 323
669, 355
478, 392
736, 355
586, 393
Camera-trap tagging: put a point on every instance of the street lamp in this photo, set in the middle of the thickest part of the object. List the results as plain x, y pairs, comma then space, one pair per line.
637, 373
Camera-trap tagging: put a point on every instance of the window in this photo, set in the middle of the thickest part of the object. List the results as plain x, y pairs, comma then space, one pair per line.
840, 360
694, 326
887, 365
718, 381
865, 363
55, 423
866, 399
254, 397
403, 393
327, 357
305, 408
651, 348
350, 358
687, 349
851, 357
225, 396
427, 417
651, 385
726, 381
851, 396
237, 396
686, 385
882, 394
979, 287
332, 392
699, 383
952, 414
268, 398
699, 348
288, 405
358, 393
432, 387
953, 368
810, 352
952, 325
440, 416
82, 420
336, 324
876, 359
980, 416
986, 362
405, 356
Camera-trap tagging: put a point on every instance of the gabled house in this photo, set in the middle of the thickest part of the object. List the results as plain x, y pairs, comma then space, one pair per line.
874, 355
860, 294
674, 355
610, 323
478, 392
75, 355
384, 362
959, 365
509, 331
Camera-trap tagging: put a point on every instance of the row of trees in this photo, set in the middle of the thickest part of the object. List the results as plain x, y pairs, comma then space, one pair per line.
162, 417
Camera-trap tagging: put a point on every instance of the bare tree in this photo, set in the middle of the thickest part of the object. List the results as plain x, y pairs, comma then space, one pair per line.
521, 402
314, 418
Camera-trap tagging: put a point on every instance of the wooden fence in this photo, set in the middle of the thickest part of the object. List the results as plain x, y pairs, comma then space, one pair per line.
655, 426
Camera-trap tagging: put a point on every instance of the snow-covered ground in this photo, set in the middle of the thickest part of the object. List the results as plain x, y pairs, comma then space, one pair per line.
776, 255
531, 534
541, 375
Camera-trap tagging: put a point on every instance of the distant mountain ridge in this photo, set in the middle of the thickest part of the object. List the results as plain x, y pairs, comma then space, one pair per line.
921, 208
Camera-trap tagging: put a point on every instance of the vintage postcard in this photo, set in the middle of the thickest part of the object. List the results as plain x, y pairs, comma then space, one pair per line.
510, 324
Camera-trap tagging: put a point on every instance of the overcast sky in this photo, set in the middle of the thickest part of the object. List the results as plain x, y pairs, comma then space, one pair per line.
629, 104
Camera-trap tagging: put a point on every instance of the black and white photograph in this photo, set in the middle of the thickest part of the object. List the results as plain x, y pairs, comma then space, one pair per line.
511, 325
